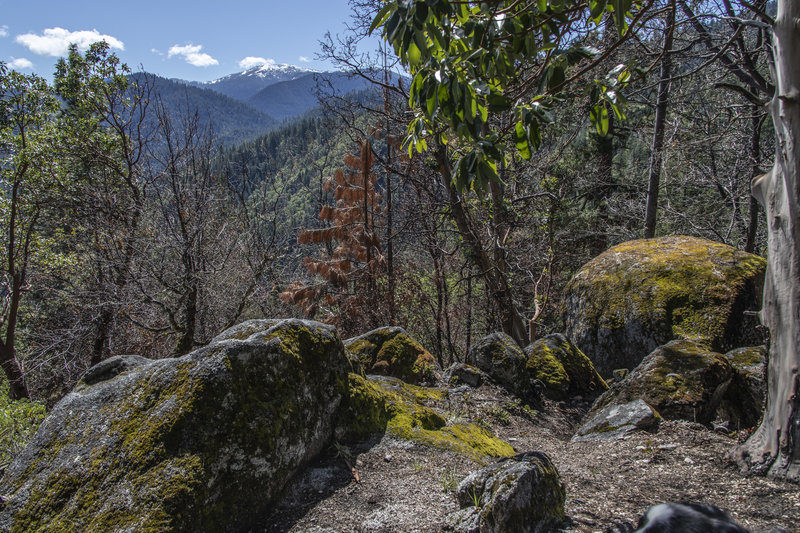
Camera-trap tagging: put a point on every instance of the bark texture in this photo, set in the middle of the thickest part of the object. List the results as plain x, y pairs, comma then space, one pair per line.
774, 449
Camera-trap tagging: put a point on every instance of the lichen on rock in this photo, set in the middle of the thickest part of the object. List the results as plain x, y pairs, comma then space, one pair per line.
641, 294
204, 442
390, 351
386, 405
562, 368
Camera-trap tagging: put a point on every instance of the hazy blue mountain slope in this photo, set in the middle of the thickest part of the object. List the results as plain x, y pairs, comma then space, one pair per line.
233, 121
293, 98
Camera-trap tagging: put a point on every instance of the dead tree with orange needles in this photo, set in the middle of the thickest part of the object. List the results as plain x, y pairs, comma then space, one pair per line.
348, 278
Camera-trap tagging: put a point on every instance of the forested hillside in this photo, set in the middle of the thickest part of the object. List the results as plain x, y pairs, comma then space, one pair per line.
128, 239
510, 221
233, 121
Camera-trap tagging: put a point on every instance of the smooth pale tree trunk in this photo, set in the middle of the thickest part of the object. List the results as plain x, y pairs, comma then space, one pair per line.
774, 448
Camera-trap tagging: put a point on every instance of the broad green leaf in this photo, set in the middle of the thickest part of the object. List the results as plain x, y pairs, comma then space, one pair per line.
381, 17
597, 9
413, 54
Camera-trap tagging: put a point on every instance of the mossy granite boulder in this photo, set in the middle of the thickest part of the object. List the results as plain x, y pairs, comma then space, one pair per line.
682, 380
562, 368
204, 442
378, 406
641, 294
390, 351
523, 494
504, 361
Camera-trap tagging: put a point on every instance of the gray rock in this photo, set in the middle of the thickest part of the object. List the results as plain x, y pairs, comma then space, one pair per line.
642, 294
746, 396
562, 368
204, 442
617, 421
459, 373
504, 361
682, 380
520, 494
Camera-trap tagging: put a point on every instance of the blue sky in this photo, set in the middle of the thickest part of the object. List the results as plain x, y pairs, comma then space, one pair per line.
199, 40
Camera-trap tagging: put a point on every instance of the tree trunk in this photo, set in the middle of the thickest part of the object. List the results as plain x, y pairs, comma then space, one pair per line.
755, 156
8, 354
496, 280
774, 448
186, 338
656, 155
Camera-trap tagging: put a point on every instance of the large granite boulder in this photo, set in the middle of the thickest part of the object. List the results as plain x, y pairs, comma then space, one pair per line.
504, 361
522, 494
390, 351
682, 380
562, 368
641, 294
204, 442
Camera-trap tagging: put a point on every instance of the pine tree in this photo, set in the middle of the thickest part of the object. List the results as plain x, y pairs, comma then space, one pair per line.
351, 273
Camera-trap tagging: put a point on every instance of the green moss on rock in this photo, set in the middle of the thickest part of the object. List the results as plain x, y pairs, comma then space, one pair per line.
501, 358
200, 443
562, 368
682, 380
641, 294
390, 351
391, 406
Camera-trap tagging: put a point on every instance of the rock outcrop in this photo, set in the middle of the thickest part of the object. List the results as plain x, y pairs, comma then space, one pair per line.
390, 351
682, 380
504, 361
562, 368
521, 494
641, 294
203, 442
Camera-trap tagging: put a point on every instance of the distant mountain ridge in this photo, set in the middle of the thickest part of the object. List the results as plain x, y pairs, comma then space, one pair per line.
245, 104
282, 91
233, 121
245, 84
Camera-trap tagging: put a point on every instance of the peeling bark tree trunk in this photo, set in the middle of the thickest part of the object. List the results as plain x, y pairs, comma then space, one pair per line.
774, 448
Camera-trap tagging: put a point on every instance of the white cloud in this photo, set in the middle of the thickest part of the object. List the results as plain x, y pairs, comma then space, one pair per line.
55, 41
250, 62
191, 53
3, 31
304, 59
20, 63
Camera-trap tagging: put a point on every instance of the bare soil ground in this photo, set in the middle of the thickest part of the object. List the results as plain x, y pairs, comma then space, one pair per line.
405, 487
